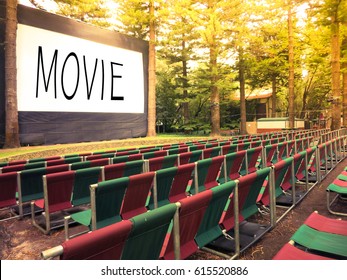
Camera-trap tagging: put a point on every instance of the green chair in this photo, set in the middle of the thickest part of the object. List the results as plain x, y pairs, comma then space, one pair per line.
146, 239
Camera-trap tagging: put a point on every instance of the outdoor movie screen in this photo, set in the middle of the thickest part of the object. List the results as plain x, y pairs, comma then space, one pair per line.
62, 73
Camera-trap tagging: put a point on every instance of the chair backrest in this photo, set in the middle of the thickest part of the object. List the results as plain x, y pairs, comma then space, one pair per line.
231, 167
206, 174
228, 149
59, 190
135, 198
325, 224
250, 164
196, 147
126, 158
282, 150
190, 157
148, 234
106, 206
83, 179
209, 228
171, 184
179, 187
127, 153
179, 150
280, 170
211, 152
123, 169
248, 189
290, 252
191, 213
157, 163
99, 162
103, 244
8, 189
243, 146
270, 154
64, 161
300, 163
162, 184
154, 154
255, 144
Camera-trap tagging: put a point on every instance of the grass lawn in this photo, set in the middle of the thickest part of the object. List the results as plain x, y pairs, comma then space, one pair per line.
29, 152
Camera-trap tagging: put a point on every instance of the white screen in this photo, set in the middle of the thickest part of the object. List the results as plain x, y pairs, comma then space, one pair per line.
62, 73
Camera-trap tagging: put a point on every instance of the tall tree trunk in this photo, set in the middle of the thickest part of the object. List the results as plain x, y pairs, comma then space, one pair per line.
185, 104
291, 96
344, 80
243, 129
335, 73
274, 97
215, 112
151, 73
12, 128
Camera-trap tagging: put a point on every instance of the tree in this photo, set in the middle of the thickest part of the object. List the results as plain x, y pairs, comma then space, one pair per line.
12, 128
151, 72
291, 95
94, 12
138, 18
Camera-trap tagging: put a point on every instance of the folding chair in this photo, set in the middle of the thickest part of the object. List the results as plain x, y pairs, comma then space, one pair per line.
57, 190
337, 196
170, 185
30, 185
327, 244
325, 224
8, 189
250, 164
103, 244
290, 252
148, 234
206, 173
211, 152
63, 161
106, 202
190, 157
126, 158
270, 155
209, 229
240, 234
83, 179
191, 213
157, 163
154, 154
123, 169
231, 166
135, 198
178, 150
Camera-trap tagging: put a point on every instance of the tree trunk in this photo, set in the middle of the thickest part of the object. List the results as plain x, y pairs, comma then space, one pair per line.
243, 129
274, 99
12, 128
185, 104
344, 81
151, 74
291, 96
335, 74
215, 112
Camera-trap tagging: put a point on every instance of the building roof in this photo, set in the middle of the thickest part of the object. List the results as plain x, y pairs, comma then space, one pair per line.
260, 93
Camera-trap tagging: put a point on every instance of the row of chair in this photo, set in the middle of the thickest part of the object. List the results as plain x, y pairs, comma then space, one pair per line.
319, 238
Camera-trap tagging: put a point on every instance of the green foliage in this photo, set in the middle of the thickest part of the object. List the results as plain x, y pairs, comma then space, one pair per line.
94, 12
